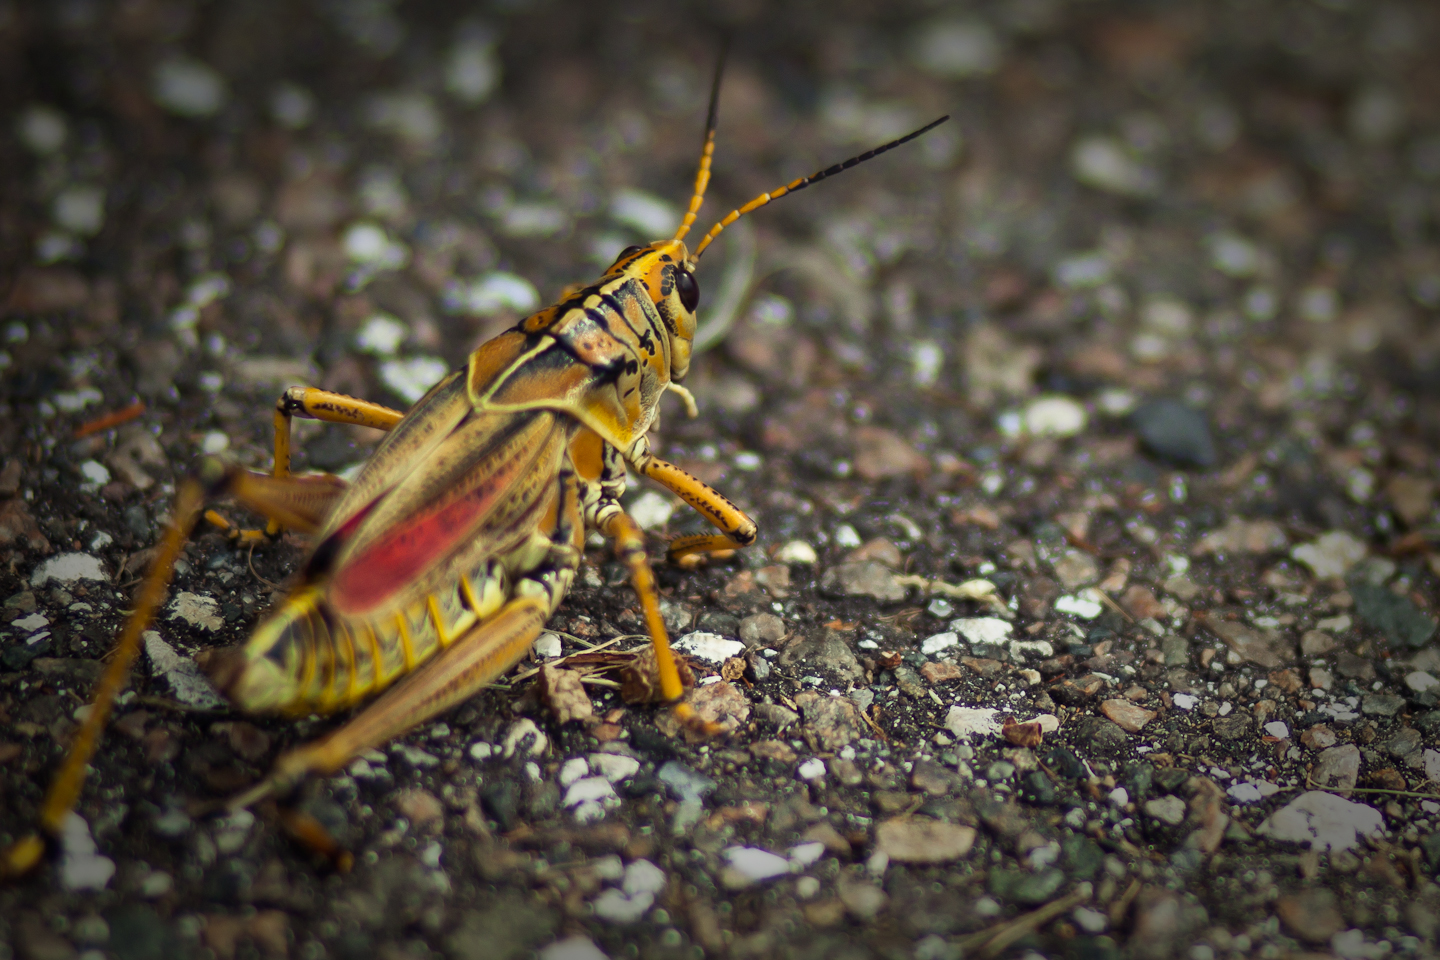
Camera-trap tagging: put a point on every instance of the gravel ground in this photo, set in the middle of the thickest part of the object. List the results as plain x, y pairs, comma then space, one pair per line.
1145, 339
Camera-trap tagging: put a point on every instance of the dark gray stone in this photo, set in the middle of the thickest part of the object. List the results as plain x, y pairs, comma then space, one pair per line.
1174, 432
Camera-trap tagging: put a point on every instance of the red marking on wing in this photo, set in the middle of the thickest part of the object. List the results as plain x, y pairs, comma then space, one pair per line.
372, 576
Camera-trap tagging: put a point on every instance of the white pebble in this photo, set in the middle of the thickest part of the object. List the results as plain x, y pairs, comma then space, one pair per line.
1080, 605
645, 213
1332, 554
525, 737
81, 866
845, 536
588, 789
292, 106
811, 769
651, 510
797, 551
1324, 821
188, 88
1277, 729
187, 683
1184, 701
710, 647
67, 568
614, 906
412, 377
1251, 791
572, 770
472, 71
1167, 316
747, 865
42, 129
215, 441
365, 242
95, 473
982, 630
1119, 796
1420, 681
578, 947
80, 209
1084, 271
614, 766
1106, 164
940, 641
1233, 255
967, 722
956, 49
547, 646
642, 876
381, 335
1054, 416
407, 115
1090, 920
417, 758
926, 359
805, 854
490, 294
482, 751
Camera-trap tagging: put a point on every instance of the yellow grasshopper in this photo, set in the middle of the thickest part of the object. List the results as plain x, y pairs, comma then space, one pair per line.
438, 566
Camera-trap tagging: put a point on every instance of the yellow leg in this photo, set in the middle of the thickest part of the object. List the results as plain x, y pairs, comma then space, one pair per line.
736, 529
312, 403
630, 548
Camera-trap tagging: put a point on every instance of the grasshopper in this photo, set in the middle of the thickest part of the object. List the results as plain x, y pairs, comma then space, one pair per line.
434, 571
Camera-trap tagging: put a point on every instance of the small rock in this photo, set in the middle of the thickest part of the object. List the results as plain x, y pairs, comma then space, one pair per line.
1105, 163
864, 900
1054, 416
1316, 643
1022, 886
832, 722
563, 693
1331, 555
1128, 716
1411, 496
524, 738
797, 551
67, 568
1312, 914
968, 722
1397, 617
1242, 536
827, 652
1167, 809
1324, 822
955, 49
81, 866
867, 579
762, 630
1265, 648
938, 643
1175, 432
685, 783
750, 865
590, 798
881, 454
1381, 704
189, 685
1103, 734
981, 631
614, 767
1251, 791
940, 672
1421, 681
578, 947
906, 840
17, 524
188, 88
547, 646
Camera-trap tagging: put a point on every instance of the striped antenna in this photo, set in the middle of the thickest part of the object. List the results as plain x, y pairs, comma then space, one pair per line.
800, 184
702, 176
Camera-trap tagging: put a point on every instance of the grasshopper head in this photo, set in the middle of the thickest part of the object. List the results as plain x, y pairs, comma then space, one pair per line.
667, 270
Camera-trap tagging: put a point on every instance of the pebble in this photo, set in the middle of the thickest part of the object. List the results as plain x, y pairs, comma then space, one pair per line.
750, 865
797, 551
1397, 617
292, 106
196, 610
81, 866
614, 767
1126, 715
967, 722
590, 798
866, 579
409, 115
69, 567
1084, 271
939, 642
979, 631
863, 899
524, 738
1233, 255
1420, 681
651, 510
957, 49
578, 947
1080, 605
686, 784
490, 294
381, 335
1090, 920
42, 129
472, 72
1381, 704
1175, 433
812, 769
643, 876
761, 630
572, 770
417, 758
80, 208
1331, 554
616, 906
188, 88
1251, 791
1105, 163
916, 840
412, 377
1054, 416
547, 646
187, 683
710, 647
1167, 809
1315, 643
1324, 821
1242, 536
1311, 914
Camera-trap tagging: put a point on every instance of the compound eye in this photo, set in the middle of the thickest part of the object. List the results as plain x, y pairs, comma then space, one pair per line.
688, 289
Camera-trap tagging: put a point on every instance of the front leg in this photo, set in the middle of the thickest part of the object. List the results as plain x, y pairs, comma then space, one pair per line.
736, 528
